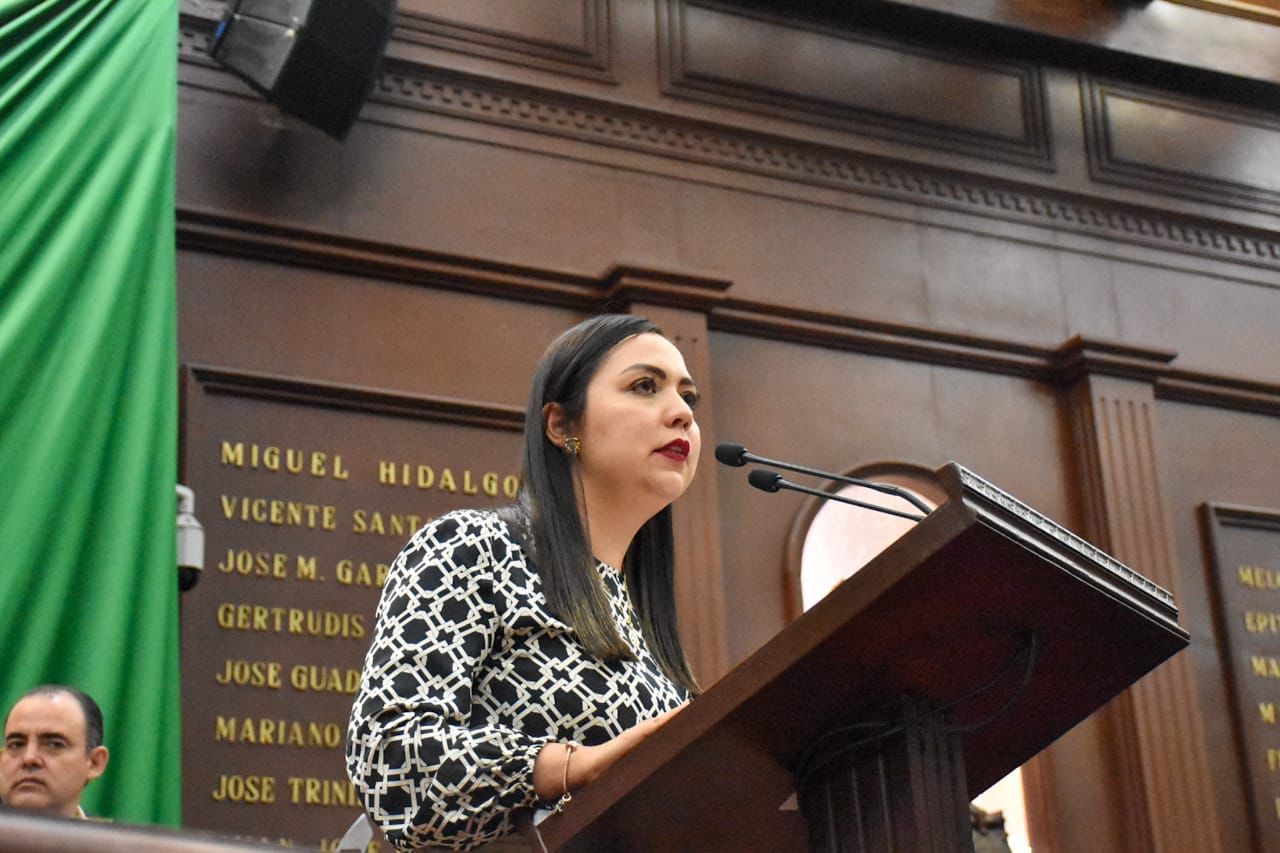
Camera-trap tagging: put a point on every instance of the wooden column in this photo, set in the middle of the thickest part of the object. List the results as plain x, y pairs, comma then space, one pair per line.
904, 792
1155, 731
679, 304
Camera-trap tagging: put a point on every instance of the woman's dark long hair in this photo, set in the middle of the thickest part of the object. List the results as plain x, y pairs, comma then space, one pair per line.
547, 519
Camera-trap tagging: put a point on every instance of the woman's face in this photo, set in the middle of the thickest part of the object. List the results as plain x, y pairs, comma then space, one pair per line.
639, 439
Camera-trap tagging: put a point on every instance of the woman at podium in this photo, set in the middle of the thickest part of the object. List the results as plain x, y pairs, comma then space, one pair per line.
519, 652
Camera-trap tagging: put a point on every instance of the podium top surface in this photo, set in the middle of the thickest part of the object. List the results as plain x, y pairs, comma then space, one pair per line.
936, 615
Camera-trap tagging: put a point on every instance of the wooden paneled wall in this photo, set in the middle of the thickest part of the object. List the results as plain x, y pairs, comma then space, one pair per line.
1040, 240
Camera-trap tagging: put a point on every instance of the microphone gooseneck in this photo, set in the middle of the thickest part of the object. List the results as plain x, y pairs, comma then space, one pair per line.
771, 482
735, 455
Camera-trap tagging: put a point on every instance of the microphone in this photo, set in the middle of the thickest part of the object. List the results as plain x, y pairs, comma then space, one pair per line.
768, 481
735, 455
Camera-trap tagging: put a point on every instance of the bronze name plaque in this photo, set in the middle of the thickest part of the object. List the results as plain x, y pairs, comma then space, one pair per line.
306, 494
1246, 548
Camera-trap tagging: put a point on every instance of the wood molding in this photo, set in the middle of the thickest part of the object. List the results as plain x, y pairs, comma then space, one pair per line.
633, 284
911, 343
1157, 747
1128, 128
807, 88
1221, 392
1082, 356
284, 244
356, 398
414, 86
624, 284
590, 57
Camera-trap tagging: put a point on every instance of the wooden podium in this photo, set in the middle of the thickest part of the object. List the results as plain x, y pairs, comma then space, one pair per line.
966, 647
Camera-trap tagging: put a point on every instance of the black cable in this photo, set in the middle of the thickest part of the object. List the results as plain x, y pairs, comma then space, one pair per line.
803, 772
1033, 645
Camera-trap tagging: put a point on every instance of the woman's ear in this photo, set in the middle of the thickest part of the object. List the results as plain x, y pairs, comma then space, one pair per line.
555, 423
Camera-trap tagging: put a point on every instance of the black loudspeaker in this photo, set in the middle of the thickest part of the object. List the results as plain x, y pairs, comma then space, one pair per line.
316, 59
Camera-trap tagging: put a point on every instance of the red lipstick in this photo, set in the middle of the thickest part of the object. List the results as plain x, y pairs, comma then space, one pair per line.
677, 449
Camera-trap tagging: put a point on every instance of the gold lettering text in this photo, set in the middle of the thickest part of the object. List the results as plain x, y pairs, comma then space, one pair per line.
311, 678
233, 454
260, 618
1265, 666
262, 731
291, 460
310, 791
279, 513
1262, 622
306, 569
261, 564
384, 524
245, 789
360, 574
246, 673
1258, 577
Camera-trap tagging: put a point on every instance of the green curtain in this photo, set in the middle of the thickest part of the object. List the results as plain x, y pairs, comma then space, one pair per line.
88, 376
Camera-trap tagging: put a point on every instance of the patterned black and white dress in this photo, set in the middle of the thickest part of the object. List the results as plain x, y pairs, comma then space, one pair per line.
469, 676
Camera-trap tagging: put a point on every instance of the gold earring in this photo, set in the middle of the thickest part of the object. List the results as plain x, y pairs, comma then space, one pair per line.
573, 444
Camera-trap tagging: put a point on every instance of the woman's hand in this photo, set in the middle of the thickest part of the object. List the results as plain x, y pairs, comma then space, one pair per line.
587, 762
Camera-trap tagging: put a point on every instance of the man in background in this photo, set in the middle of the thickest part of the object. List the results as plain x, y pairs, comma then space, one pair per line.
52, 750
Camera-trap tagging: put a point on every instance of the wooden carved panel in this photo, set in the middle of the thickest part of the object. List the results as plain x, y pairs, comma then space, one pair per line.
1163, 143
306, 491
854, 82
1158, 754
567, 36
413, 86
1245, 543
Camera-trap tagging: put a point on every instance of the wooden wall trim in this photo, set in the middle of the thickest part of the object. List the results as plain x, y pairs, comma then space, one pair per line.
241, 236
910, 343
1060, 365
482, 30
1220, 392
1127, 143
821, 82
788, 159
1157, 746
417, 22
1080, 356
414, 86
356, 398
632, 284
221, 234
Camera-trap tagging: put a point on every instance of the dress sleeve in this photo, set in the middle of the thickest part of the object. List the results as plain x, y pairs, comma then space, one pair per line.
425, 776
